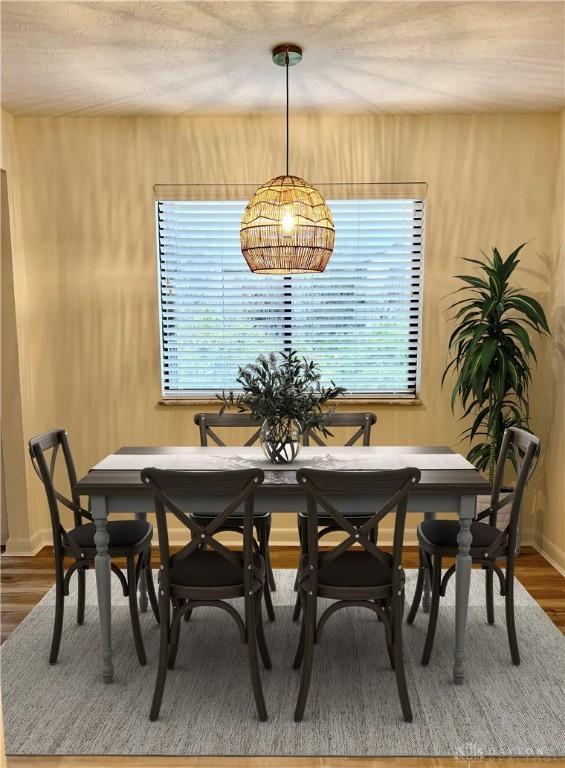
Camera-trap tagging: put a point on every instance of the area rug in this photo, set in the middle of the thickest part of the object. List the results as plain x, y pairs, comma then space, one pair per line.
353, 707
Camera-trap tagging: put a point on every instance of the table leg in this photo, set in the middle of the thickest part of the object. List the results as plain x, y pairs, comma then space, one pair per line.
426, 594
462, 583
103, 586
143, 599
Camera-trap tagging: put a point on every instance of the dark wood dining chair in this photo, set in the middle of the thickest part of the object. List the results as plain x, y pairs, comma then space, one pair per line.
195, 577
356, 572
207, 424
130, 539
364, 422
437, 539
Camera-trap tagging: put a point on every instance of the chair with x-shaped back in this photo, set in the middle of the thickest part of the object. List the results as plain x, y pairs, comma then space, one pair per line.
210, 576
353, 575
208, 424
437, 539
364, 422
130, 539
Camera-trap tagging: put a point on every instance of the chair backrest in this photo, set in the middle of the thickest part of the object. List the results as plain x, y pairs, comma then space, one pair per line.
390, 489
205, 422
363, 422
174, 490
523, 449
44, 451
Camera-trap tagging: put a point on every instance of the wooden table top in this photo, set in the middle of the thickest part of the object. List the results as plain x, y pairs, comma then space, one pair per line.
458, 482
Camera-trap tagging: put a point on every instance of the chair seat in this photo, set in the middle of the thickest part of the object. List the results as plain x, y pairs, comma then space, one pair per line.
122, 533
356, 569
443, 533
208, 569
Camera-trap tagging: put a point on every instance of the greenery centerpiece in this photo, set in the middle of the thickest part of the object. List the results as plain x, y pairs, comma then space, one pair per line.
283, 392
492, 354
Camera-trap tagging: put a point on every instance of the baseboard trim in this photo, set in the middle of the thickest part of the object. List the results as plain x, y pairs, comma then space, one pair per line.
280, 537
548, 550
286, 537
29, 547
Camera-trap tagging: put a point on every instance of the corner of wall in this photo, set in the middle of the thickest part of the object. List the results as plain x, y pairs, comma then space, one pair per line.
549, 513
14, 465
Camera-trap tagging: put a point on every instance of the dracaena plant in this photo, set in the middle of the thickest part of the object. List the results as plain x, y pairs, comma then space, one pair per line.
492, 354
280, 387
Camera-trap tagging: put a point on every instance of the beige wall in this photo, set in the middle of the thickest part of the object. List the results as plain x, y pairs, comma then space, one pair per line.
549, 501
87, 302
14, 470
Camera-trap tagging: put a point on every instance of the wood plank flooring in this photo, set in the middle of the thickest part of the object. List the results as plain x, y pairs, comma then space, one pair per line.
25, 580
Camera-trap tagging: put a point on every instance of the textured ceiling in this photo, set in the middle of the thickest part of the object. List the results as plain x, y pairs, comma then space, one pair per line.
175, 58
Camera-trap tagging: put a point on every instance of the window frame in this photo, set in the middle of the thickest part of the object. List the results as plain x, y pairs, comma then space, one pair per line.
180, 192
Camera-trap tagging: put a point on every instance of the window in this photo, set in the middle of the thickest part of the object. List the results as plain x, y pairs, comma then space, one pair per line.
359, 320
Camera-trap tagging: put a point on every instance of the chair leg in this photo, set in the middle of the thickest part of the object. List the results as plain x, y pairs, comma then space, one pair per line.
270, 572
297, 608
251, 631
418, 591
390, 646
301, 536
174, 637
81, 595
510, 620
434, 610
59, 610
489, 590
264, 549
134, 611
151, 585
268, 600
164, 614
263, 649
309, 636
299, 655
398, 656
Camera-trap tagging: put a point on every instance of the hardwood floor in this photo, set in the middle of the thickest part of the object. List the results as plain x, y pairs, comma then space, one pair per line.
25, 580
278, 762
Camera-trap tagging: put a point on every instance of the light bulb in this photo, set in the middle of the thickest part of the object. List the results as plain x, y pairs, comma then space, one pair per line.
288, 223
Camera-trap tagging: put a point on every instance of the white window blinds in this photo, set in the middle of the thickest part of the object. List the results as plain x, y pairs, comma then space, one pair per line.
359, 320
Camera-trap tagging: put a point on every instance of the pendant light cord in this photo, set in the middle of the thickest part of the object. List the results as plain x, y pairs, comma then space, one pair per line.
286, 61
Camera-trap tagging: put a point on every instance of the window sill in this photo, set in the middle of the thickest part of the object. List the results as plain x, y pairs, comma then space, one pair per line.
345, 401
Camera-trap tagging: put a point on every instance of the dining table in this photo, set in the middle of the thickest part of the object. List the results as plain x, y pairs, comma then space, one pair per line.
448, 484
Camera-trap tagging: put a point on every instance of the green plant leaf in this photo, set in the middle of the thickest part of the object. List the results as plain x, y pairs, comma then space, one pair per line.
491, 352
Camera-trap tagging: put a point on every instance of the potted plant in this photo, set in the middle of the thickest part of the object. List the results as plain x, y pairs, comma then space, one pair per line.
283, 392
492, 354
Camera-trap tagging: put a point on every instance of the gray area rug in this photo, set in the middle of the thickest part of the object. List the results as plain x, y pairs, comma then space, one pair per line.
353, 707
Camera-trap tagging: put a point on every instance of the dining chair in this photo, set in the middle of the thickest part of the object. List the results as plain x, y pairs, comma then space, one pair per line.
437, 539
195, 577
355, 572
130, 539
207, 423
364, 422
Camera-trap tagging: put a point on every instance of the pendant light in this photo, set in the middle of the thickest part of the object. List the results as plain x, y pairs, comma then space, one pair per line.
287, 227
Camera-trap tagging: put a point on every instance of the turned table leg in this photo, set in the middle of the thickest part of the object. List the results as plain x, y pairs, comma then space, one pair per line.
103, 586
462, 583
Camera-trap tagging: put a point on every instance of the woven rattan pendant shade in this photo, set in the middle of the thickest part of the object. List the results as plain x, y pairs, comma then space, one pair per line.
287, 227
